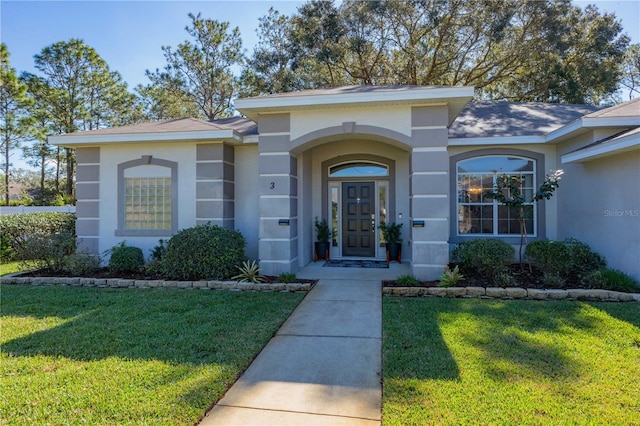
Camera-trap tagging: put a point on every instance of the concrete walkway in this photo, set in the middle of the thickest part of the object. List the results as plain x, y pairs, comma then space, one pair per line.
323, 367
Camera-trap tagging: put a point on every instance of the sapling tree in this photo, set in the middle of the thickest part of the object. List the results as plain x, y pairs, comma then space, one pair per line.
509, 191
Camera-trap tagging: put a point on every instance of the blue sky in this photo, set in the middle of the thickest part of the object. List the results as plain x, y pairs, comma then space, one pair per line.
129, 34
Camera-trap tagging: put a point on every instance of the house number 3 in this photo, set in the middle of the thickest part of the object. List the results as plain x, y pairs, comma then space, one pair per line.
272, 185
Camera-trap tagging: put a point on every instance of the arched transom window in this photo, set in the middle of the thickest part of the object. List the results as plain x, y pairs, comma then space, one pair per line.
481, 215
359, 169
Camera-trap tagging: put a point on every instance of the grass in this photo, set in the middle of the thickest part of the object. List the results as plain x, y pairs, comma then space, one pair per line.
10, 268
109, 356
469, 361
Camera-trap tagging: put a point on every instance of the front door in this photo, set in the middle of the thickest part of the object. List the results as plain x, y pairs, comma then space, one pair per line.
358, 219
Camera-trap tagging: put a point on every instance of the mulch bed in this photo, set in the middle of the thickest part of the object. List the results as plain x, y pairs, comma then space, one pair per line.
525, 276
105, 273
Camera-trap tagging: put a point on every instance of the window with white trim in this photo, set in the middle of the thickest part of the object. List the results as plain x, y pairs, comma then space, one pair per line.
482, 215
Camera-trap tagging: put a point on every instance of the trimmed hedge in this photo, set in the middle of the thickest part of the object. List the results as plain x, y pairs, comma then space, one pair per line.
126, 259
571, 260
485, 256
203, 252
18, 228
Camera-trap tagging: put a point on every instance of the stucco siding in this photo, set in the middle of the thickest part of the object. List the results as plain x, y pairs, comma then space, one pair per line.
247, 213
305, 199
111, 156
397, 119
88, 200
599, 204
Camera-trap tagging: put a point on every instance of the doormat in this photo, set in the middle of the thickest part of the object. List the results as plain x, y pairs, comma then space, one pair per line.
341, 263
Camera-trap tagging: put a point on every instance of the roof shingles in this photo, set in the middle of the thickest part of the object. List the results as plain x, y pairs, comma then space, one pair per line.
506, 119
187, 124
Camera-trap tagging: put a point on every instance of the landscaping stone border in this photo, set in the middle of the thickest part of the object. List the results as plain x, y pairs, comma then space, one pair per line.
123, 283
596, 295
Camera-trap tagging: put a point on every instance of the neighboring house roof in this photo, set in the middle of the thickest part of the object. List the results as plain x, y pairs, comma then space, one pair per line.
485, 119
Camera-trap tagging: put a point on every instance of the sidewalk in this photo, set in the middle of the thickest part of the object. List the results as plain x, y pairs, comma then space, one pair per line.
323, 367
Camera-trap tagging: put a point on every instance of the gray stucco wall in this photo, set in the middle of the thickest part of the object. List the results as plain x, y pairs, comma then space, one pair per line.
88, 199
247, 200
599, 204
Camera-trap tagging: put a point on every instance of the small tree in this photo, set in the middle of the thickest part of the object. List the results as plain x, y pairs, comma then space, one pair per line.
508, 191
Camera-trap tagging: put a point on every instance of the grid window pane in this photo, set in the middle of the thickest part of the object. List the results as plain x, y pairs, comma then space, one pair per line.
479, 214
147, 203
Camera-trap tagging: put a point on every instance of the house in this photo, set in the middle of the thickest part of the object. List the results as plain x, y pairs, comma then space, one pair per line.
359, 156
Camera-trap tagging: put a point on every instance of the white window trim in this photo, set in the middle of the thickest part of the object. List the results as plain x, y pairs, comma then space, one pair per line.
495, 203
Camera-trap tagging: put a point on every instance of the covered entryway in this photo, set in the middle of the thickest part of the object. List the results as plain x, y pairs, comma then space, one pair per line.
308, 141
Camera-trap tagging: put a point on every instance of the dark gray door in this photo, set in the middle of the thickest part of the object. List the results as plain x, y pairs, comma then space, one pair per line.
358, 208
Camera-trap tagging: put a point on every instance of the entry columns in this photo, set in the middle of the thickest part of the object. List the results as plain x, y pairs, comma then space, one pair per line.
278, 168
429, 192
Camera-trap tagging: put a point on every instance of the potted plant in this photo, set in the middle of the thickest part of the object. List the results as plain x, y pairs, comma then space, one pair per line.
323, 234
391, 233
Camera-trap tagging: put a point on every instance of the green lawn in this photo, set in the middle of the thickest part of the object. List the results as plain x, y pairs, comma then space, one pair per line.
109, 356
469, 361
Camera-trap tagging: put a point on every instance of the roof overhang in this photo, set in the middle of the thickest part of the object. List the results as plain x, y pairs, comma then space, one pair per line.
624, 143
498, 140
454, 97
585, 124
78, 139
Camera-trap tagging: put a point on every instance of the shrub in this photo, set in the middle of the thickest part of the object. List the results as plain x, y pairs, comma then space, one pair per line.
504, 279
450, 277
407, 280
584, 259
611, 279
46, 251
17, 229
6, 252
80, 264
569, 259
553, 257
154, 267
249, 272
594, 280
486, 257
159, 251
287, 278
203, 252
125, 259
552, 280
